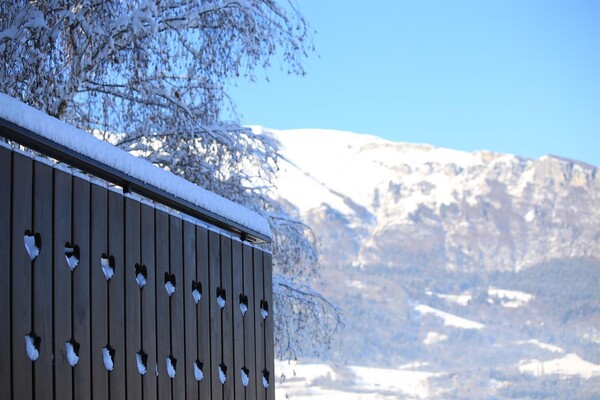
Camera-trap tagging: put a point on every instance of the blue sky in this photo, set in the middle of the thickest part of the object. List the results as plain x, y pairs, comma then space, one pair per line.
515, 76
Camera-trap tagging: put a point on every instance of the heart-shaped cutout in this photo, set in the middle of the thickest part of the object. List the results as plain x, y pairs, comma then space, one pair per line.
141, 275
72, 255
221, 297
108, 266
72, 348
223, 373
108, 356
170, 283
141, 359
196, 291
32, 345
243, 304
33, 244
245, 376
171, 366
265, 378
264, 309
198, 373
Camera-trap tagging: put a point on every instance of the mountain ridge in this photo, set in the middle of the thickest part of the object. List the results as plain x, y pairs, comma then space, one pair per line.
395, 184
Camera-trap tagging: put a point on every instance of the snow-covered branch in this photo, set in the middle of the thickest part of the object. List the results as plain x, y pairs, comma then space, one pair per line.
150, 76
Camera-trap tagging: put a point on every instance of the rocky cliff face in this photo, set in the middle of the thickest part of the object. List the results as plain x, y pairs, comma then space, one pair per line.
410, 205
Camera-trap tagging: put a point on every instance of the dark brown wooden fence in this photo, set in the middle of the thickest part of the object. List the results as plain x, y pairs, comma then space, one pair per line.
84, 306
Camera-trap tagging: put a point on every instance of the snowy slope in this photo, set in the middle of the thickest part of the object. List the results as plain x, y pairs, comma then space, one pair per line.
354, 166
449, 319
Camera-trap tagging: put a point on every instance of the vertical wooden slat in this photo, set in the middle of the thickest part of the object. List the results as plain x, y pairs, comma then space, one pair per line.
191, 326
63, 376
81, 288
259, 323
216, 339
5, 253
269, 339
203, 311
232, 374
21, 276
133, 340
99, 290
148, 304
62, 284
238, 322
42, 301
117, 295
249, 321
163, 329
177, 311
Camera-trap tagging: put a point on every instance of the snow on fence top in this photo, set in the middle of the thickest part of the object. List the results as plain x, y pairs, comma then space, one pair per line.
213, 207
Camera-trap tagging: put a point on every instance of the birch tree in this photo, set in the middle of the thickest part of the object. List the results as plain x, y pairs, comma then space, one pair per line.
150, 76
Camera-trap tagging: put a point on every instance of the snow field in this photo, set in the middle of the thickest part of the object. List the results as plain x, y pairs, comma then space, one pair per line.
320, 381
510, 298
569, 365
449, 319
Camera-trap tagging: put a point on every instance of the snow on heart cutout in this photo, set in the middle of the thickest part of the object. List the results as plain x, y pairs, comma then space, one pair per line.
141, 360
171, 366
265, 378
72, 255
141, 275
196, 291
245, 372
243, 304
72, 349
221, 297
170, 283
198, 373
32, 346
108, 356
108, 266
222, 373
264, 309
33, 244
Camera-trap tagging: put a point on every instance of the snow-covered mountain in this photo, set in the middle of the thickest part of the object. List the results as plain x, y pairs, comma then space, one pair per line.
478, 267
410, 205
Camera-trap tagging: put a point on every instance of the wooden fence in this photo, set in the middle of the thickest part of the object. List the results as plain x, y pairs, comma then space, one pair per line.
106, 295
